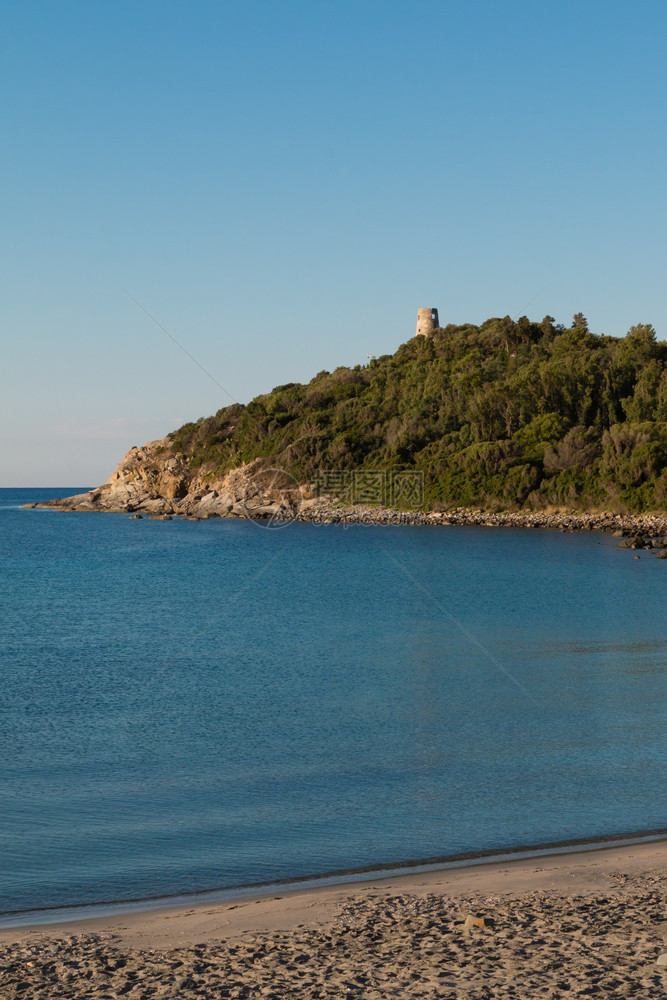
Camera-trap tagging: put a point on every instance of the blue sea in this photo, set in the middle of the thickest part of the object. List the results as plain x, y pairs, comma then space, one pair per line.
198, 706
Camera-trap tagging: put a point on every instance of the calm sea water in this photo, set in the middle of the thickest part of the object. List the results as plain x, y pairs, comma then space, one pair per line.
190, 706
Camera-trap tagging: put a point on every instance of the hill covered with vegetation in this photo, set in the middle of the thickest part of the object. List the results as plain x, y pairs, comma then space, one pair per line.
506, 414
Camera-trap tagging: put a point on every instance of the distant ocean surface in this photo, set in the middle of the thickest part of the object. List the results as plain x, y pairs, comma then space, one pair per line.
190, 706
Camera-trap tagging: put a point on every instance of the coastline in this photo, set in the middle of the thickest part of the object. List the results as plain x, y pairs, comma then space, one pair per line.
585, 917
328, 511
153, 482
84, 913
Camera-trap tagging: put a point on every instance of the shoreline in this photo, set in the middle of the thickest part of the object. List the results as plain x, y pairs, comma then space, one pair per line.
495, 873
588, 921
154, 483
329, 512
83, 913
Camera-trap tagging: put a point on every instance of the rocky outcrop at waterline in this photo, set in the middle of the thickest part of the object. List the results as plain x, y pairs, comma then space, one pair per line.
152, 481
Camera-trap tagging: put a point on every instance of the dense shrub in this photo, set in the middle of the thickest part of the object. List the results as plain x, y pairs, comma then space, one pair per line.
507, 413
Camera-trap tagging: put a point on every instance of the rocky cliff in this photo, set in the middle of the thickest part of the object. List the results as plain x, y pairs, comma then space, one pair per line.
154, 480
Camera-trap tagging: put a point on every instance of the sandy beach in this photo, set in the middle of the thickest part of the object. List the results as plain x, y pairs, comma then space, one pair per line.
590, 923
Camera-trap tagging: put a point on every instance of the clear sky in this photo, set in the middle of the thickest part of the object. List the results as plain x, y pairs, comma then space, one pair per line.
282, 183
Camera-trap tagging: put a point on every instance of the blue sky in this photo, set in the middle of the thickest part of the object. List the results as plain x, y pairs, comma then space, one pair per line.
282, 184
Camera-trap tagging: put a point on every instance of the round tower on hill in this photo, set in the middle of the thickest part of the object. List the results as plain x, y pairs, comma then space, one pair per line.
427, 321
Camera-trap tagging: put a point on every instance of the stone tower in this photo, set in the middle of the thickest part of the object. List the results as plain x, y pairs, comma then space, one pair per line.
427, 321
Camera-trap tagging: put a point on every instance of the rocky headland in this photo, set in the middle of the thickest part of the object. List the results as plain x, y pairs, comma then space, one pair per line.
153, 481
